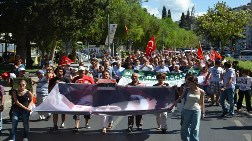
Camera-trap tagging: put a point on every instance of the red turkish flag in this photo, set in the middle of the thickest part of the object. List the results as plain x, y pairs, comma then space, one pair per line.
200, 53
217, 55
151, 46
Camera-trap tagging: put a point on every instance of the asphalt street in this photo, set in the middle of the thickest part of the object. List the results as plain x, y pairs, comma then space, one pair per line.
213, 128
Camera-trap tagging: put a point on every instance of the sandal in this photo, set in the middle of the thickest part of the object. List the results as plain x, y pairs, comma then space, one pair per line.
104, 130
110, 126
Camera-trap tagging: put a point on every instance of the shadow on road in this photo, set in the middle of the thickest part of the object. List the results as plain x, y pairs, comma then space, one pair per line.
234, 128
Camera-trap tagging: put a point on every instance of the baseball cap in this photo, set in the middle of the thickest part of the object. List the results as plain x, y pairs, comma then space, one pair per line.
21, 69
40, 72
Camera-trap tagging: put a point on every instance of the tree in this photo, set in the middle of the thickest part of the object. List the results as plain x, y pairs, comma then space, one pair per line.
164, 12
169, 14
45, 22
221, 23
182, 22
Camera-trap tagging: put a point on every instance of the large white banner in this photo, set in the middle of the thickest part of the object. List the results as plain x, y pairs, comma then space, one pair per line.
94, 99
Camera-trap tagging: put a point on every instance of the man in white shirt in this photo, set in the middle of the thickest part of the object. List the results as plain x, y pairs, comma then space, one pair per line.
216, 73
118, 70
228, 90
137, 64
146, 66
161, 67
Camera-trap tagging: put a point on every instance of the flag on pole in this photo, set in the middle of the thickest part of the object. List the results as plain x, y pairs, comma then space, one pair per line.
200, 53
151, 46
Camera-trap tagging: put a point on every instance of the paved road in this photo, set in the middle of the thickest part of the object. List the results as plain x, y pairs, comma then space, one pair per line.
213, 128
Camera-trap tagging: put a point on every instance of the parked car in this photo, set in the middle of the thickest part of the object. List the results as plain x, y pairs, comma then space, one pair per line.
245, 55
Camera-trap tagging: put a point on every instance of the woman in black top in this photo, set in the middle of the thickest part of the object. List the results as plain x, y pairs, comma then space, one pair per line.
23, 103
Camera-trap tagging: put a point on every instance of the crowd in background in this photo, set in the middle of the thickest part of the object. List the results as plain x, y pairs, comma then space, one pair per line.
219, 86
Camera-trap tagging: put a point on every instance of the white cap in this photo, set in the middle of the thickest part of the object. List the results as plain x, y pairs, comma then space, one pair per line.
12, 75
21, 69
82, 68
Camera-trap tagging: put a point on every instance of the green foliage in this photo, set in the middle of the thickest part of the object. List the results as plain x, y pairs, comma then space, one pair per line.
164, 12
242, 64
50, 23
221, 23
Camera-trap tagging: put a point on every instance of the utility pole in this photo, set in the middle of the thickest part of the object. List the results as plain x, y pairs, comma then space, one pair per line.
163, 42
108, 1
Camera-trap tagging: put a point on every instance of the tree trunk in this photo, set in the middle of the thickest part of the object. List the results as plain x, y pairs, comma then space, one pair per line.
53, 46
21, 45
29, 60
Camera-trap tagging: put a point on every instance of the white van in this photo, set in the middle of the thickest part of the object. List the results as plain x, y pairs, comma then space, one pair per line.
245, 55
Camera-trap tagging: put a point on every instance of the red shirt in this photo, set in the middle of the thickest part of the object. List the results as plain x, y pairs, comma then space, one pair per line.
85, 79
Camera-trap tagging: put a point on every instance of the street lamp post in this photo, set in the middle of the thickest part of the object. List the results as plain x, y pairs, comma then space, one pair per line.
163, 41
108, 1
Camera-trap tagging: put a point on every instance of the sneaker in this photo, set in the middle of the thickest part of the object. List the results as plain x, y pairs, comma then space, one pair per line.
75, 130
164, 131
230, 115
25, 139
158, 128
42, 117
130, 129
217, 104
55, 128
87, 126
224, 114
62, 125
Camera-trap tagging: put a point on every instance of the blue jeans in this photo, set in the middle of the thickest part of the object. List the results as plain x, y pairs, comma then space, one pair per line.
1, 121
25, 116
228, 93
190, 125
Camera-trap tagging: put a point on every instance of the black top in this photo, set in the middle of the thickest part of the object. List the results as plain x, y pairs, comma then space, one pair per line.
165, 84
24, 100
53, 81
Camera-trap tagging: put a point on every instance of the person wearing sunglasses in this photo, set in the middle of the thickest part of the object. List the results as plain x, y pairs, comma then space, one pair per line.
22, 108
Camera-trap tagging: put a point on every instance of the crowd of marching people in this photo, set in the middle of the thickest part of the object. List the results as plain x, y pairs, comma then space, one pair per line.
217, 87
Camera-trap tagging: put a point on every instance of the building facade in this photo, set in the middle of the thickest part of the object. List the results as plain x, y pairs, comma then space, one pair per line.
247, 41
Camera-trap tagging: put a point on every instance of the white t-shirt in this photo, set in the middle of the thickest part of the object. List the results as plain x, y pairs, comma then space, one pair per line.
229, 73
215, 74
145, 68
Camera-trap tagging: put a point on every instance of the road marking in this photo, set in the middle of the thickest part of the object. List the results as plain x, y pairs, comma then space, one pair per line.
238, 123
115, 123
248, 137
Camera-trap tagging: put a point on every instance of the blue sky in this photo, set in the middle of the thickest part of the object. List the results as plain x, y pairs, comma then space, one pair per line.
178, 6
